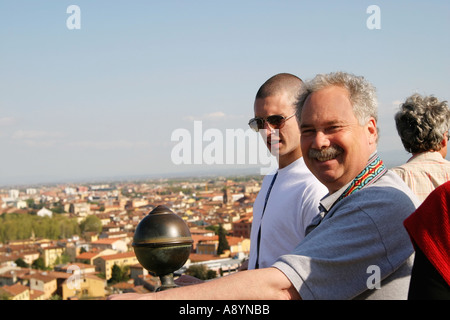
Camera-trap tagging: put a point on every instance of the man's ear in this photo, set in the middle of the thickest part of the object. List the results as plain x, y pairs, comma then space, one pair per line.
372, 130
444, 141
444, 145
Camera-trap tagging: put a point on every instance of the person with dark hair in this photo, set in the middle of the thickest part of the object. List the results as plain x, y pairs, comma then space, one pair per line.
289, 197
429, 229
422, 124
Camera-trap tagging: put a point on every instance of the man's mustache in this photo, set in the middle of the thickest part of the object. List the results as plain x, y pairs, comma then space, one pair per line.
325, 154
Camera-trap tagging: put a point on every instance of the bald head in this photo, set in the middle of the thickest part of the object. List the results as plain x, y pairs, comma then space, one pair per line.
280, 83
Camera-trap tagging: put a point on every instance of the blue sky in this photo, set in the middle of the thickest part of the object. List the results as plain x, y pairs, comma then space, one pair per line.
103, 101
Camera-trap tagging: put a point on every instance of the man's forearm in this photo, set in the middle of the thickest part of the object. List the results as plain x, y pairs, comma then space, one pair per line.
261, 284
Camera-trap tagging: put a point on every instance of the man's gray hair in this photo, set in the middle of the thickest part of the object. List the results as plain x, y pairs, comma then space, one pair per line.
422, 122
362, 94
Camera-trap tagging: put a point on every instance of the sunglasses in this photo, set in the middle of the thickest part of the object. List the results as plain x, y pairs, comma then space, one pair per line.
275, 121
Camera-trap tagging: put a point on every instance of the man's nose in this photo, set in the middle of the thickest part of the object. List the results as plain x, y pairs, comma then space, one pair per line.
269, 129
320, 141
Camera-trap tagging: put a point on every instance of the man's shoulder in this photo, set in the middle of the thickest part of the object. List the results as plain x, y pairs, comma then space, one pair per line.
390, 191
301, 178
391, 179
299, 169
400, 169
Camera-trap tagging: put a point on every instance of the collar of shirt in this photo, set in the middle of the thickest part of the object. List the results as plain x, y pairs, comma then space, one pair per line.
325, 205
429, 155
329, 200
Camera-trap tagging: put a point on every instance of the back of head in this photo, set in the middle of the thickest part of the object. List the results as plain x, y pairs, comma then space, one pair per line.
362, 93
281, 83
422, 122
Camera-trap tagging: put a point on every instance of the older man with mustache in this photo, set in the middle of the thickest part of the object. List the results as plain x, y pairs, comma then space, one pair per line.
356, 248
358, 240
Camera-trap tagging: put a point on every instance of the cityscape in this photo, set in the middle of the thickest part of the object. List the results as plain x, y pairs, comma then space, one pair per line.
74, 241
109, 109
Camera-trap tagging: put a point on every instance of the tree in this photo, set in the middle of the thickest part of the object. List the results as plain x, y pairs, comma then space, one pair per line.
57, 208
200, 271
38, 264
223, 242
214, 228
20, 263
64, 258
4, 295
91, 223
116, 274
119, 274
15, 226
30, 203
210, 274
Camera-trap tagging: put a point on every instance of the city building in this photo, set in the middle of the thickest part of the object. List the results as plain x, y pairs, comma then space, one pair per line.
104, 264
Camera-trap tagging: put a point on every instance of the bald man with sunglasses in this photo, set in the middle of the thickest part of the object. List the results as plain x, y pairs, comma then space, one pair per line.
289, 198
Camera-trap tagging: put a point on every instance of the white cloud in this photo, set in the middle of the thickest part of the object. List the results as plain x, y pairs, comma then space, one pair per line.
36, 134
7, 121
38, 138
214, 116
110, 145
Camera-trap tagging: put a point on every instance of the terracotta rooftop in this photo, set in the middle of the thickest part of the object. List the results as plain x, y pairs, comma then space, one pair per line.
82, 266
106, 241
119, 256
15, 289
34, 294
42, 277
87, 255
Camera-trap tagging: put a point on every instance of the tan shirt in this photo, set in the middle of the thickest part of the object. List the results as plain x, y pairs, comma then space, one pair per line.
424, 172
